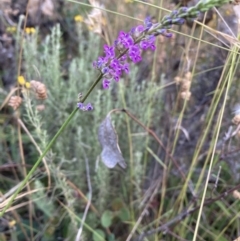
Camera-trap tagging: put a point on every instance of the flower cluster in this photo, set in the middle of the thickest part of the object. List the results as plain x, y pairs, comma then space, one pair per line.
29, 30
21, 80
129, 47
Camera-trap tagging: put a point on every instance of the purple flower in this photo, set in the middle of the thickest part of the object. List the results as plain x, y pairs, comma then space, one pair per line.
87, 107
183, 10
109, 51
178, 21
105, 83
167, 20
149, 42
137, 31
134, 53
147, 22
125, 68
114, 64
100, 62
125, 39
165, 33
80, 105
105, 70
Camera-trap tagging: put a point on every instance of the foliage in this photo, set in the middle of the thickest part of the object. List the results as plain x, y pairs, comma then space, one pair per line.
177, 155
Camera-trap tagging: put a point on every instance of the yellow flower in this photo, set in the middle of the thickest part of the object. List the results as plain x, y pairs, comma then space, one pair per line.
78, 18
27, 30
30, 30
33, 30
21, 80
90, 28
27, 85
11, 29
12, 223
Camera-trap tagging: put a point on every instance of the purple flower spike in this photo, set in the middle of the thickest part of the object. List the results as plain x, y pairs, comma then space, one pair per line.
130, 45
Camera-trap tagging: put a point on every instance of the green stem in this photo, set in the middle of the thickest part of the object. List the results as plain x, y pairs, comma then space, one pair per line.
48, 148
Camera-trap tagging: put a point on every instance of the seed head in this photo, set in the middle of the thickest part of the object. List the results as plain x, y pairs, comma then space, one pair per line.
236, 119
39, 89
15, 102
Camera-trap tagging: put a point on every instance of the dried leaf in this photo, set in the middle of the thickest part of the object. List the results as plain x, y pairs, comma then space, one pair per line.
111, 154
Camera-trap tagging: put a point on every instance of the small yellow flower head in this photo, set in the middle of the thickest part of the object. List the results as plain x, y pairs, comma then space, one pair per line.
30, 30
78, 18
27, 85
11, 29
21, 80
33, 30
90, 28
12, 223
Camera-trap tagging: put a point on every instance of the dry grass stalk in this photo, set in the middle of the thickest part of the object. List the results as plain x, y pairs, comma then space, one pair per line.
96, 21
185, 85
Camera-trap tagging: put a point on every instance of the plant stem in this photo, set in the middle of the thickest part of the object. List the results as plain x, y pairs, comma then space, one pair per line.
48, 147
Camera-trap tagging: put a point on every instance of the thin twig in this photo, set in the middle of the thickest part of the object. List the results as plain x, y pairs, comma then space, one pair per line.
38, 149
144, 212
89, 200
153, 134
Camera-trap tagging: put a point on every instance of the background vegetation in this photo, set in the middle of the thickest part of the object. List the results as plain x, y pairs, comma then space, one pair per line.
181, 145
